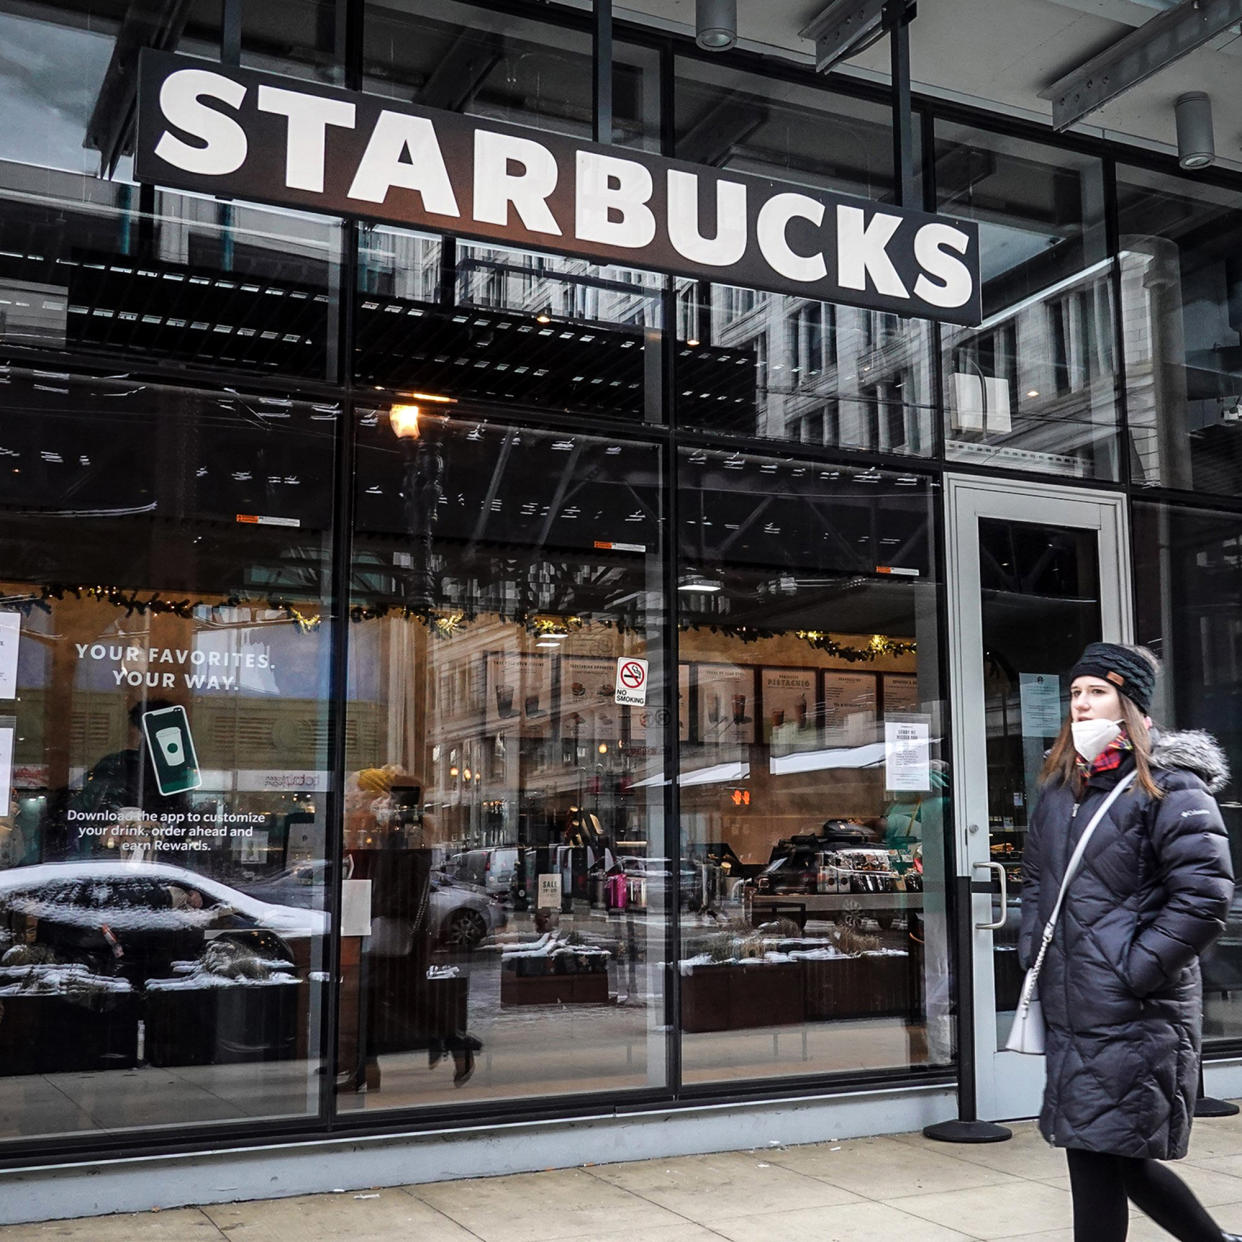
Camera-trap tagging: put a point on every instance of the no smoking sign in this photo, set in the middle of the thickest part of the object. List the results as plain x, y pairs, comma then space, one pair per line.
631, 682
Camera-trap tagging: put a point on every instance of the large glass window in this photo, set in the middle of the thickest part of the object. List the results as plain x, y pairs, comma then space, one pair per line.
773, 365
502, 325
504, 801
84, 268
813, 799
1181, 297
1034, 386
1188, 587
164, 561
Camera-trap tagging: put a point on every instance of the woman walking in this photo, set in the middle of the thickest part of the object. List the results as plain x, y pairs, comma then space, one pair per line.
1120, 985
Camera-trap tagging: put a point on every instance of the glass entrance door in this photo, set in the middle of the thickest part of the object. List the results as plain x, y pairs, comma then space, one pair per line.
1035, 574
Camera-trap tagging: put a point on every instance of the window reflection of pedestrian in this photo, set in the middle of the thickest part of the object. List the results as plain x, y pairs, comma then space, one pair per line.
914, 823
1120, 985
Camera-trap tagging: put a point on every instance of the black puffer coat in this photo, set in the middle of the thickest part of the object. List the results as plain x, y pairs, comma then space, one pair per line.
1120, 985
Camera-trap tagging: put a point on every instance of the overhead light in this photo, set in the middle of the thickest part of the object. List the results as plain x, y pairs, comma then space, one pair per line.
715, 24
1195, 145
548, 642
544, 316
433, 398
1032, 392
692, 341
699, 583
403, 419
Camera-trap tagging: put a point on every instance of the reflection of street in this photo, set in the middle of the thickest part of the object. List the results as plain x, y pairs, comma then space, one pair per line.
546, 1049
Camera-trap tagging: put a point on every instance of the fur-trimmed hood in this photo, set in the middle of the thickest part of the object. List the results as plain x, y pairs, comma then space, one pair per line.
1192, 750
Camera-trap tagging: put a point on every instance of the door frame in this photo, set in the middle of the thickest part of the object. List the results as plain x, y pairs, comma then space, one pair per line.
1008, 1085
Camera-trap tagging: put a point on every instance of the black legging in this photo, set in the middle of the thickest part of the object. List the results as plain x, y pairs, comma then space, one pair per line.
1101, 1184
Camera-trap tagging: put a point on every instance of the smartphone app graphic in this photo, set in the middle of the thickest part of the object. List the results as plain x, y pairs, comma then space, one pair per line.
171, 748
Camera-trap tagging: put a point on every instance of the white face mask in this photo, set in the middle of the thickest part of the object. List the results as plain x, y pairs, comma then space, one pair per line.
1093, 737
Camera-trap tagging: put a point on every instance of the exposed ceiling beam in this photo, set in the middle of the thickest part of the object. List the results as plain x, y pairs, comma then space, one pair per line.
462, 70
147, 23
843, 27
716, 136
1135, 57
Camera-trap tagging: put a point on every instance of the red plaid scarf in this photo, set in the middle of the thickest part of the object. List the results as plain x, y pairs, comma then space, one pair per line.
1109, 759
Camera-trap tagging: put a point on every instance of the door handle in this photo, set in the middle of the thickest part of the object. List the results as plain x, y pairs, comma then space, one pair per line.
1004, 898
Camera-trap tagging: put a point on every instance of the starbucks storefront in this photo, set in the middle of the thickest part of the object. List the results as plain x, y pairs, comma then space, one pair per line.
516, 648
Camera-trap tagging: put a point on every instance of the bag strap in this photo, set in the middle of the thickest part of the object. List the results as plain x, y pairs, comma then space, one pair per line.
1071, 868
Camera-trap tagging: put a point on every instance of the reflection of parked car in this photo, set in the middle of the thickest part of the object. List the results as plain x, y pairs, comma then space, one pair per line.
459, 915
462, 915
136, 920
654, 872
491, 869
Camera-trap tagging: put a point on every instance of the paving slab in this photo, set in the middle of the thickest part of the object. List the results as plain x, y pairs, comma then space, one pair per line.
882, 1168
849, 1222
360, 1216
994, 1212
531, 1207
709, 1189
181, 1225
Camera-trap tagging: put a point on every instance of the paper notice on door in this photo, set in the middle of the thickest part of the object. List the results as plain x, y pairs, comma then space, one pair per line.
1042, 714
907, 759
10, 634
6, 768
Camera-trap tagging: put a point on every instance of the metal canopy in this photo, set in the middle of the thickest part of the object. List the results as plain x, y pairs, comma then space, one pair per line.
1156, 44
842, 28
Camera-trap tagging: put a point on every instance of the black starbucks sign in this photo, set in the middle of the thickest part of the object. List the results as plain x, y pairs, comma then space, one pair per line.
242, 134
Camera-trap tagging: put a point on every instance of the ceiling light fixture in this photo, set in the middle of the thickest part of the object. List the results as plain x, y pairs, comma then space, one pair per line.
1195, 145
699, 583
403, 419
715, 24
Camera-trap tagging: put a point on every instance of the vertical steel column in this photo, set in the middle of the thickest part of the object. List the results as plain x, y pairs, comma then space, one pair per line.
349, 45
230, 54
897, 17
602, 63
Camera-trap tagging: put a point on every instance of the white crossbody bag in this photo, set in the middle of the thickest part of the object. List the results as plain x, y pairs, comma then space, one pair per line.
1027, 1032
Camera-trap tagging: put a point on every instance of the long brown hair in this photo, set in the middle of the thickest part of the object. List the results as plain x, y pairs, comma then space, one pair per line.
1061, 765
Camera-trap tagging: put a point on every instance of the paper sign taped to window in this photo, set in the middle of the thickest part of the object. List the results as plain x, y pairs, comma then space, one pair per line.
1040, 694
907, 760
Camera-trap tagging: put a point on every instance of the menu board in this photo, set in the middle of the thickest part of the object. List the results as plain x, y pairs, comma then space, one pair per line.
788, 705
849, 705
726, 704
901, 693
588, 712
519, 690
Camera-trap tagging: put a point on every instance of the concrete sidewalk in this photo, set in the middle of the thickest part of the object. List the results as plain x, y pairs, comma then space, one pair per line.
900, 1188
